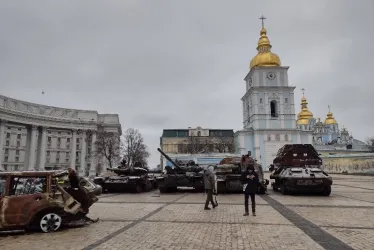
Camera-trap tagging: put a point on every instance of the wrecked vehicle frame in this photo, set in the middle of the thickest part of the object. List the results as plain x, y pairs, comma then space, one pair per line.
33, 200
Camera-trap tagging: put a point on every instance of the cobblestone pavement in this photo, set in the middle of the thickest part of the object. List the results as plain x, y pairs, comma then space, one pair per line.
177, 221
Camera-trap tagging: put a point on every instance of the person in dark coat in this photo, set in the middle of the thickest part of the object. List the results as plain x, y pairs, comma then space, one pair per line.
209, 185
249, 179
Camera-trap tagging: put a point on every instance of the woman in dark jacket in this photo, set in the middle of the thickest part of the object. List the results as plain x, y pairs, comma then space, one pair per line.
249, 179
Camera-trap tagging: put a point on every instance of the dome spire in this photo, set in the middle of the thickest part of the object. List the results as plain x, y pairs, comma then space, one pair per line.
264, 57
330, 118
304, 115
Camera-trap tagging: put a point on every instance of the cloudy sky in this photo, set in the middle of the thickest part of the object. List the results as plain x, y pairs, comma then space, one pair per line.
177, 63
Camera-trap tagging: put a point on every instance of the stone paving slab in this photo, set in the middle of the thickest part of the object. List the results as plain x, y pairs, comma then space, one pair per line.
153, 196
358, 197
221, 198
69, 239
356, 185
332, 200
121, 211
336, 188
360, 239
344, 217
178, 236
223, 213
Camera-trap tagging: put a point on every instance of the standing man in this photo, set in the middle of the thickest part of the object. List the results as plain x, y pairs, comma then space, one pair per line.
249, 179
209, 185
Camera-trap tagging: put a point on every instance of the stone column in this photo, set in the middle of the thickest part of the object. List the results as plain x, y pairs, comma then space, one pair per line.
2, 130
73, 149
93, 157
32, 145
42, 147
83, 152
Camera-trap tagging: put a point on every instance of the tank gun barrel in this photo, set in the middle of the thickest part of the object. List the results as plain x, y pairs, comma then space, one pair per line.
168, 158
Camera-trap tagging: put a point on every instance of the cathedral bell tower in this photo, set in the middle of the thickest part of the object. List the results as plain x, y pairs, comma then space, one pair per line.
269, 101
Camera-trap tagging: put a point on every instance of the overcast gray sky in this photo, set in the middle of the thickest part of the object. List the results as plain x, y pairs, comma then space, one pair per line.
177, 63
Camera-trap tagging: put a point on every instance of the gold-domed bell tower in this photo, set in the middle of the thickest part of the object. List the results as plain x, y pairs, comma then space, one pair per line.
330, 122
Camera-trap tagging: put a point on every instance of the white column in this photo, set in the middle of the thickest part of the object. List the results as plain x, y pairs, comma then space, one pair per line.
42, 143
83, 153
2, 131
73, 149
93, 161
32, 152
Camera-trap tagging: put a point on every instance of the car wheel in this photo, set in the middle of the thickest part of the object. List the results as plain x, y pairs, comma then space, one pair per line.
50, 222
327, 191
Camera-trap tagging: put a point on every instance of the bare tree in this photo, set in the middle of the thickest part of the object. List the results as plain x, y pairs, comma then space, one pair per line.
224, 144
196, 145
370, 143
108, 146
134, 149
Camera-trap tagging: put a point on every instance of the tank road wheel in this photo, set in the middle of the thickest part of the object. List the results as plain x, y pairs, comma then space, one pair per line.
283, 188
275, 188
138, 188
50, 222
326, 191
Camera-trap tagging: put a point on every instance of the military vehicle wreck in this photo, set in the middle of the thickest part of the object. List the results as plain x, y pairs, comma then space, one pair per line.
229, 170
185, 174
34, 200
125, 179
298, 168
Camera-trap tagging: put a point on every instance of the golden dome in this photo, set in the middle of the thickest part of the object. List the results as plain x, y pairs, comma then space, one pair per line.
330, 119
264, 57
304, 114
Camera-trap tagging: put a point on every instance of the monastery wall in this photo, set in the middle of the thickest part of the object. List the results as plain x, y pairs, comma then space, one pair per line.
363, 163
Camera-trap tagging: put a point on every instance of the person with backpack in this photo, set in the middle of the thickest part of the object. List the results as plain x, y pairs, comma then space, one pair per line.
249, 179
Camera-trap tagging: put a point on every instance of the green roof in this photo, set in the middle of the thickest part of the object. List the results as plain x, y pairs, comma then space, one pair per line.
184, 132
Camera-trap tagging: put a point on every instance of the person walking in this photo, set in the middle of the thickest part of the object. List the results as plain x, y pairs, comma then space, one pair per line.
209, 185
249, 179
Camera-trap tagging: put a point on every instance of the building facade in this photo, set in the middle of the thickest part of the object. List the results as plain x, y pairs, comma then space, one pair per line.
196, 143
268, 107
39, 137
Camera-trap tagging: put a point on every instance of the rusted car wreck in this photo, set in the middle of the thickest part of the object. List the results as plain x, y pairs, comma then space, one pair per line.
34, 200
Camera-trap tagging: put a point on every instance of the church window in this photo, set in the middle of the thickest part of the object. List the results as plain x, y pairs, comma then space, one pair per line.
273, 108
198, 133
277, 137
269, 138
260, 100
286, 137
286, 100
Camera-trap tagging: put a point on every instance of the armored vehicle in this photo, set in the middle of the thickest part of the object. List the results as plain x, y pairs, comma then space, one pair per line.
299, 169
228, 173
125, 179
185, 174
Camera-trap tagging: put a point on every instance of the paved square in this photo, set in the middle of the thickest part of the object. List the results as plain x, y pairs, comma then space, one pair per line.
177, 221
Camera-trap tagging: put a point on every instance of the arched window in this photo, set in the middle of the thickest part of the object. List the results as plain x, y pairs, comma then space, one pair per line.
198, 133
273, 109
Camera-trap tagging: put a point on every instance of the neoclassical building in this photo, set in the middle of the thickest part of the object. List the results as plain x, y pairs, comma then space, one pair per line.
39, 137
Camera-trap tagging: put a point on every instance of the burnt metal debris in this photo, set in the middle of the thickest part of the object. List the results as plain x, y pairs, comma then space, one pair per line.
35, 200
185, 174
298, 168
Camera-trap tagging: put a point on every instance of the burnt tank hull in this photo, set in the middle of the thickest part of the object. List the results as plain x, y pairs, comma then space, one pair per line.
299, 170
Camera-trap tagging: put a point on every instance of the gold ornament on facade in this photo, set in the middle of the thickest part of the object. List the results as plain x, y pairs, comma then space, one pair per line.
330, 118
264, 57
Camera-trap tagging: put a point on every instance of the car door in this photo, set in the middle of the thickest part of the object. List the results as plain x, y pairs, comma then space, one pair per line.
25, 195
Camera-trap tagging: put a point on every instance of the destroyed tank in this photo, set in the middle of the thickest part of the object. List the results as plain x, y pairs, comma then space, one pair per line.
126, 179
228, 173
182, 175
298, 168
